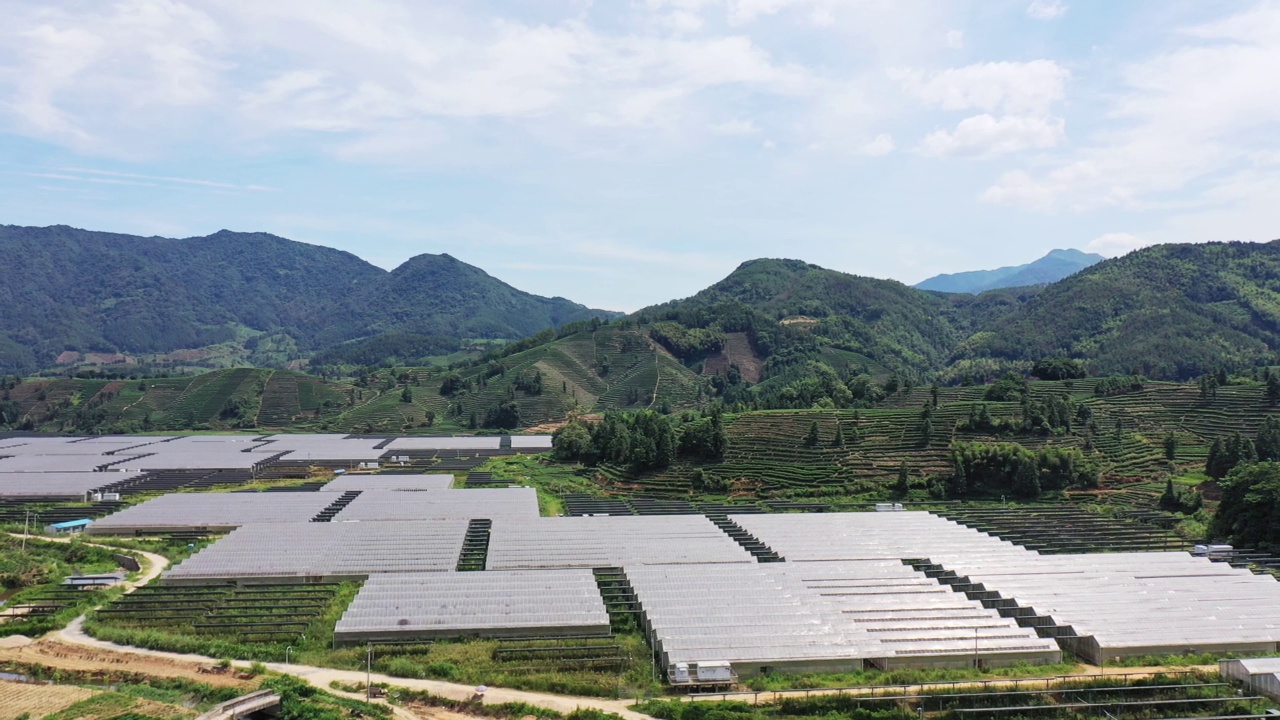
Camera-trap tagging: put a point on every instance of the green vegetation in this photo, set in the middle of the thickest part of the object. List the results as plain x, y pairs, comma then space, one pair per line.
240, 298
31, 577
1247, 511
1188, 695
303, 617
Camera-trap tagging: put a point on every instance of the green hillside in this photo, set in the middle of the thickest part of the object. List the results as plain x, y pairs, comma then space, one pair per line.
231, 298
1169, 311
896, 325
1124, 436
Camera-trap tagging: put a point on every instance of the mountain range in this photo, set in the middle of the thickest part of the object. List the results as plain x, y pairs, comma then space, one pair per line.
1051, 268
1168, 311
71, 290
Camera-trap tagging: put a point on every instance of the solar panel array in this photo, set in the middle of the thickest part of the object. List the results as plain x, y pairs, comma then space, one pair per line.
557, 542
822, 617
489, 604
388, 481
482, 503
186, 511
284, 551
1119, 604
72, 485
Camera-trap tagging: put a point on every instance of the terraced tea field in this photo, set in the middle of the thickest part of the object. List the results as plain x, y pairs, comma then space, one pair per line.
766, 454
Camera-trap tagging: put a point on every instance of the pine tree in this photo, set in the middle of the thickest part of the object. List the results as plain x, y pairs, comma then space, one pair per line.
1273, 389
1213, 465
1026, 480
1169, 500
1267, 443
1170, 447
903, 486
406, 395
814, 436
839, 441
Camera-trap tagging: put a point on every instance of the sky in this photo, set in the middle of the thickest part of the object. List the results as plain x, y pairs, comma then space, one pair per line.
626, 152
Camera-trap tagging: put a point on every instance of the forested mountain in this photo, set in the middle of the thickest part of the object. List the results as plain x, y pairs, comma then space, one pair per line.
882, 319
1169, 311
1051, 268
65, 289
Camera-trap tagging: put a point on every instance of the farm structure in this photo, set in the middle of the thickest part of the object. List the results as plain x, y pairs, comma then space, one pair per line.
87, 454
822, 617
503, 604
1258, 675
1102, 607
765, 593
389, 481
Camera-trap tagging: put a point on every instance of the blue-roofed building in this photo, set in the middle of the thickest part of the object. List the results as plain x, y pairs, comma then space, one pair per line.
67, 528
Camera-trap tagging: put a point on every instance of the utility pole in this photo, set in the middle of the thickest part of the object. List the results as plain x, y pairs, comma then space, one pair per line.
368, 672
26, 529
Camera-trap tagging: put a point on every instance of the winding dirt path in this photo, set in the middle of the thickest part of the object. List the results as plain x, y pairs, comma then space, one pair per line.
74, 634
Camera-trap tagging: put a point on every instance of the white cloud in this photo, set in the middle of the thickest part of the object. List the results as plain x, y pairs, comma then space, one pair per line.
1115, 244
1047, 9
954, 39
1191, 114
375, 73
735, 127
879, 146
985, 135
1014, 87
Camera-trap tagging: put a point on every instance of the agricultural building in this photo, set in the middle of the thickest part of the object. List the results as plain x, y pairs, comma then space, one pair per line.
401, 505
1258, 675
73, 486
591, 542
324, 551
389, 481
505, 604
213, 512
67, 527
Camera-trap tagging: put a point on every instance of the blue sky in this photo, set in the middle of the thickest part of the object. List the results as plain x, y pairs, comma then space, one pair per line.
627, 152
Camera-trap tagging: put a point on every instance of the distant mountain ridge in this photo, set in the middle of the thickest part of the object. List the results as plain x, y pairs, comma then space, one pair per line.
66, 289
1054, 266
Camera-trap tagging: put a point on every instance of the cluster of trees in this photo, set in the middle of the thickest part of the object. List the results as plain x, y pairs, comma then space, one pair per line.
1247, 513
529, 383
643, 439
1119, 385
988, 469
684, 342
1058, 368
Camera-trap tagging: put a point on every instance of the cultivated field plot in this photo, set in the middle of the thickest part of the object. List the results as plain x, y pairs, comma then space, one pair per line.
259, 614
1174, 695
36, 701
79, 659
